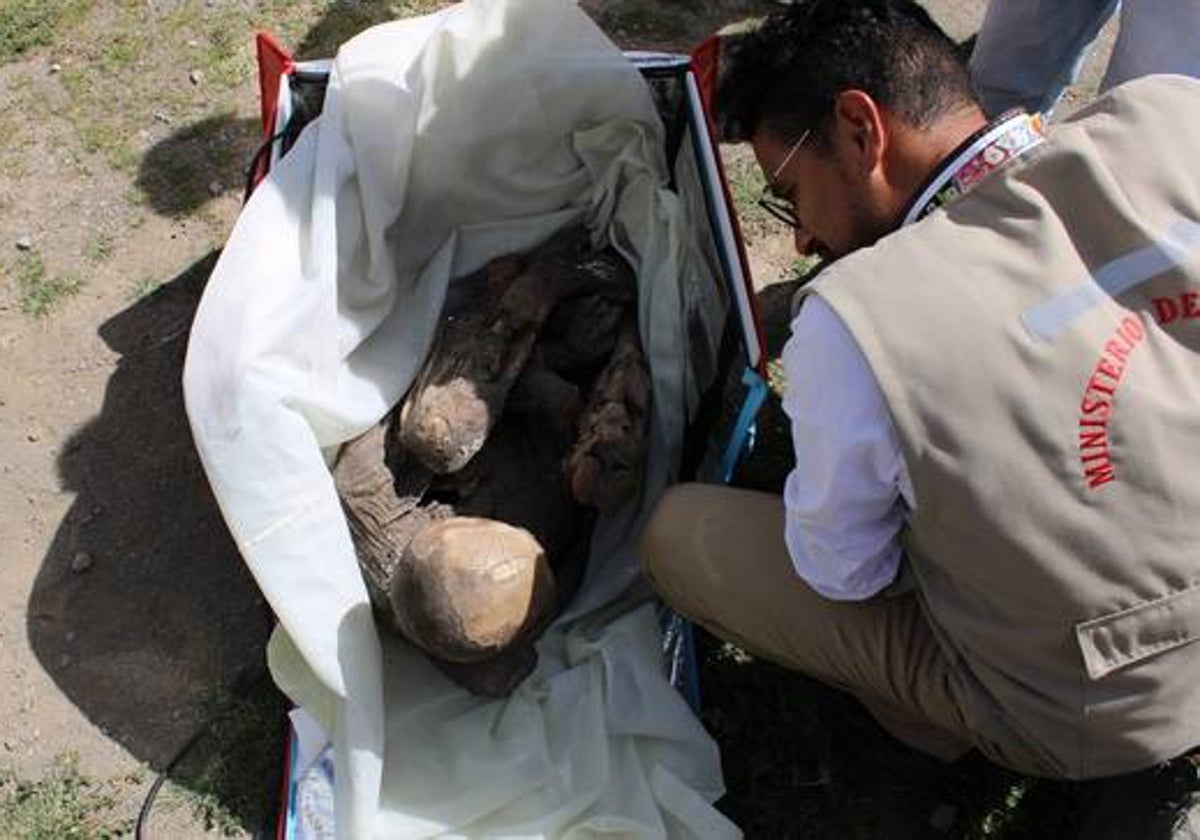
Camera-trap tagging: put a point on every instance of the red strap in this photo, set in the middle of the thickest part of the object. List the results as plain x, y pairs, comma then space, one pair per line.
706, 60
706, 63
273, 62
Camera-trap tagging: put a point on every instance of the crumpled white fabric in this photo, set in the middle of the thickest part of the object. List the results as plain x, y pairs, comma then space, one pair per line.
444, 141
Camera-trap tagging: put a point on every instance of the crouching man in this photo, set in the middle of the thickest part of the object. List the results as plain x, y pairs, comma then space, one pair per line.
992, 535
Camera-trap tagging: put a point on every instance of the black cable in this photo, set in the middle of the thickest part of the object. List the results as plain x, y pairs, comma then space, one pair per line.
152, 794
263, 149
246, 685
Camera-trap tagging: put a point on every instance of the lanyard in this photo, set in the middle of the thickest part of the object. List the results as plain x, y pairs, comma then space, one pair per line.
1000, 143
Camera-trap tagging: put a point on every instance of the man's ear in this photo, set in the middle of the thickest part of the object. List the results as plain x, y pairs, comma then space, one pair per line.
862, 130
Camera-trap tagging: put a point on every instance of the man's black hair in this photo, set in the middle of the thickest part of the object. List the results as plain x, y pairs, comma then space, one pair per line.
785, 74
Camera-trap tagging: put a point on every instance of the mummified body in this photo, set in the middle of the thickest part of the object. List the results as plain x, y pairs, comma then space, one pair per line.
471, 505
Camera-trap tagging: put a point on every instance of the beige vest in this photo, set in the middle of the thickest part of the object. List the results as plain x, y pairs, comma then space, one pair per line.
1038, 345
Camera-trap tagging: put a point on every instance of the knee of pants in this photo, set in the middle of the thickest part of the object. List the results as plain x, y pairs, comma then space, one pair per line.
663, 546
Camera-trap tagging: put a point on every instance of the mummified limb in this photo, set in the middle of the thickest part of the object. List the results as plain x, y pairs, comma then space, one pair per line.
582, 332
547, 402
604, 468
382, 520
477, 356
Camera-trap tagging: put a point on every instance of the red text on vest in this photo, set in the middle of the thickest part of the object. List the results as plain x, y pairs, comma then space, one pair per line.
1096, 407
1185, 306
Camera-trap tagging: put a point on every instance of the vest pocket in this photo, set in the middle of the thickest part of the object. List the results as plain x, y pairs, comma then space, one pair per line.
1131, 635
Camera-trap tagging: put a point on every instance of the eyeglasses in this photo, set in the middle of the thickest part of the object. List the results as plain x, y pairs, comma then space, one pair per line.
778, 208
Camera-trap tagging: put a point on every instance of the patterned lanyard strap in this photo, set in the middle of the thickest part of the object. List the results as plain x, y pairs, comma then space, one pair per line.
1002, 142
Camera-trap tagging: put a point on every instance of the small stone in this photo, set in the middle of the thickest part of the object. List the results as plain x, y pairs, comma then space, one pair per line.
9, 746
193, 43
55, 67
942, 817
70, 637
64, 661
32, 437
81, 562
195, 77
161, 116
215, 188
25, 243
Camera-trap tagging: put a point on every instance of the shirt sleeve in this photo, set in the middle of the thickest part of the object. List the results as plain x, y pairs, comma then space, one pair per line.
847, 498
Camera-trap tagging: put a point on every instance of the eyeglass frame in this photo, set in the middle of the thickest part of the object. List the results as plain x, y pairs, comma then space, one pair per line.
778, 208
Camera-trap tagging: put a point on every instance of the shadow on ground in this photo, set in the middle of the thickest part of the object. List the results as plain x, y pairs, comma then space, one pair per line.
345, 20
196, 163
805, 762
184, 171
143, 612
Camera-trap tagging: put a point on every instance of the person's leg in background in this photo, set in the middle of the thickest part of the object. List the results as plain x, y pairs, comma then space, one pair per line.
1028, 52
717, 556
1156, 36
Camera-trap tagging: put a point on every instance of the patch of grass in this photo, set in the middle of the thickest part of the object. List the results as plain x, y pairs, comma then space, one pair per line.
776, 728
13, 167
120, 51
226, 50
102, 131
746, 184
99, 248
776, 377
802, 265
144, 286
20, 86
10, 131
134, 196
62, 805
413, 8
39, 294
650, 17
224, 157
108, 139
26, 24
227, 778
76, 81
342, 21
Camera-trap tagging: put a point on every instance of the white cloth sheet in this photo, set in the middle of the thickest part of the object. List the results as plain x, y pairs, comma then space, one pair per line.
445, 141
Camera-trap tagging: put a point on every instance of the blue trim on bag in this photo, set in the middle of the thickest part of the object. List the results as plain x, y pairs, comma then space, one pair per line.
745, 430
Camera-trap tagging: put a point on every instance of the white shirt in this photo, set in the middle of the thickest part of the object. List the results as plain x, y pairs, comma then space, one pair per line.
849, 494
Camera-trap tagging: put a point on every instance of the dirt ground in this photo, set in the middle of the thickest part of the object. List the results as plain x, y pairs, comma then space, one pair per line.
126, 615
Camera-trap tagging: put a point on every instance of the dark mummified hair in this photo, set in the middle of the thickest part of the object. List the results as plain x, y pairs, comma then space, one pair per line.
786, 74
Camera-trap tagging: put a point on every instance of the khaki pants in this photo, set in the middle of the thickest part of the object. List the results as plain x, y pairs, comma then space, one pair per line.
717, 555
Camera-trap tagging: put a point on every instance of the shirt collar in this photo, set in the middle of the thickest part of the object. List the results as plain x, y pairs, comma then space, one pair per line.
992, 147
